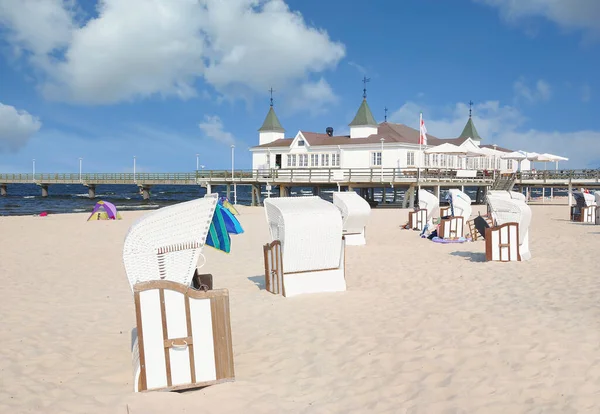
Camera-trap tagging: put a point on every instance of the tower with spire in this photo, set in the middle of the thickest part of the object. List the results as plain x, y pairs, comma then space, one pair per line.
470, 131
363, 124
271, 129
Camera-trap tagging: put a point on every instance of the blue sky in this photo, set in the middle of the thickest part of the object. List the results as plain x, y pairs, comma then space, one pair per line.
167, 79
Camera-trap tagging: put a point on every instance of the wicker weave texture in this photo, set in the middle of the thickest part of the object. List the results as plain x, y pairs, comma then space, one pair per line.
505, 209
355, 210
166, 244
310, 232
461, 203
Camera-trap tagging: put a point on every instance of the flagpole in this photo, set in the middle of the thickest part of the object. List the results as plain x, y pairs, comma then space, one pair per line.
420, 150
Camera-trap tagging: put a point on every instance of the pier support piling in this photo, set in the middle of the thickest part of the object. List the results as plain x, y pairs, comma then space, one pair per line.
255, 195
44, 190
91, 191
228, 191
283, 191
570, 197
3, 190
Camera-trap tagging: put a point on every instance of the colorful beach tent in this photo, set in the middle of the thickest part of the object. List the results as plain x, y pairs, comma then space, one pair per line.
223, 223
103, 210
223, 201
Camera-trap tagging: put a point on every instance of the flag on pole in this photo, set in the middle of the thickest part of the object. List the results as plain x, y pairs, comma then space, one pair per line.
423, 130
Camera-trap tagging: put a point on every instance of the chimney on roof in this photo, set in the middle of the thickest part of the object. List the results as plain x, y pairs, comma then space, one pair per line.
329, 131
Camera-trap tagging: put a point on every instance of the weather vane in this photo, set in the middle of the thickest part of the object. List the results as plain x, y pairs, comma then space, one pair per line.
385, 116
365, 80
470, 105
271, 91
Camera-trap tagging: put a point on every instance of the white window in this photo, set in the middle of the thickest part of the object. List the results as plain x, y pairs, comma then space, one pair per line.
325, 160
509, 164
436, 160
300, 142
335, 160
314, 160
443, 160
376, 159
303, 160
410, 158
291, 160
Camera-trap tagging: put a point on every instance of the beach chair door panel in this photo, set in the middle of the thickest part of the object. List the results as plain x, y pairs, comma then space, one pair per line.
274, 268
417, 219
588, 214
502, 243
184, 336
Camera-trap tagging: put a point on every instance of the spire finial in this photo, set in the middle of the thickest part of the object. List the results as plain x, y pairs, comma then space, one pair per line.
271, 92
385, 116
470, 106
365, 80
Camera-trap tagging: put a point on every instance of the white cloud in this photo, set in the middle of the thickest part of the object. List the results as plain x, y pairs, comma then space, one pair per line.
506, 126
568, 14
540, 92
586, 93
16, 127
38, 26
316, 97
136, 48
213, 128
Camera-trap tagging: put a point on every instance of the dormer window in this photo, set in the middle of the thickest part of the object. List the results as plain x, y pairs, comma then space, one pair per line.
300, 142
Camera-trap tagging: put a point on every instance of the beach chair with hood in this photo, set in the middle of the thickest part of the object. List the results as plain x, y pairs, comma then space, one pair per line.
307, 249
355, 212
508, 239
182, 337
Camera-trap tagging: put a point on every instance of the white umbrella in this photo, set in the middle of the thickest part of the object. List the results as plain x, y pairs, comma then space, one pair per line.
551, 158
446, 148
451, 149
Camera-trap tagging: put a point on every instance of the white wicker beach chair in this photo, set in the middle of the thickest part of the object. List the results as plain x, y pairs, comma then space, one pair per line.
355, 212
306, 234
182, 337
508, 240
585, 208
460, 210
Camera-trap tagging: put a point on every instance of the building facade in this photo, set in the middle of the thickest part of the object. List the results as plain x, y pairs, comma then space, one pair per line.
369, 145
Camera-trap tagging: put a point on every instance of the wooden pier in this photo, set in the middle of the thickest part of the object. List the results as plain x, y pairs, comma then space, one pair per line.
315, 177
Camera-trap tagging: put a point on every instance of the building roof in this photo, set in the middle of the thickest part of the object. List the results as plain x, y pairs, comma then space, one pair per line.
364, 116
391, 133
497, 148
470, 131
271, 123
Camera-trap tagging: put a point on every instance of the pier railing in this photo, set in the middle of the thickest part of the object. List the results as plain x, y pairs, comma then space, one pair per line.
300, 175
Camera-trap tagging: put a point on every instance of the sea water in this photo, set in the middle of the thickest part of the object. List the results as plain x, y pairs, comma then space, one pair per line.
26, 199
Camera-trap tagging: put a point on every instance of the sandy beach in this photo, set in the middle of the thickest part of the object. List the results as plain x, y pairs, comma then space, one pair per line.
423, 328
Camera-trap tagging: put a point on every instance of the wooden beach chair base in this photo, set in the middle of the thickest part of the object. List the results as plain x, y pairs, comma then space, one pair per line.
502, 243
183, 337
452, 228
278, 282
588, 214
417, 219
